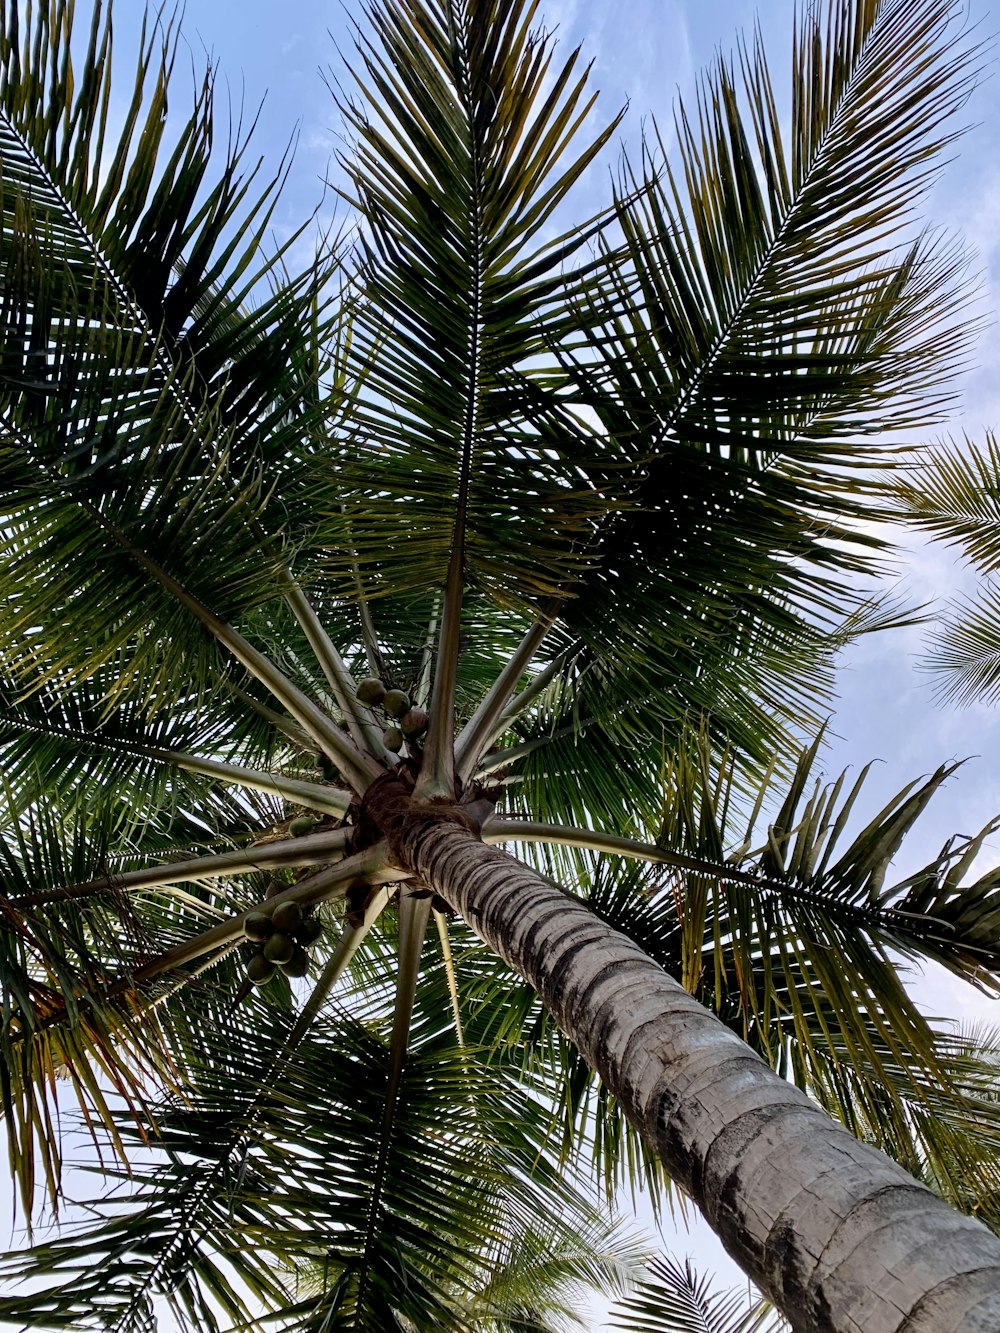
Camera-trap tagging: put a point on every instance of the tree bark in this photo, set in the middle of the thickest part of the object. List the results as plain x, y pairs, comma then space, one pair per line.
840, 1237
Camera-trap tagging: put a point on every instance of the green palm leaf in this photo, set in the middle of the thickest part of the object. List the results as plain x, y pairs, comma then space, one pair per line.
964, 653
137, 379
793, 935
673, 1298
945, 1135
167, 250
462, 123
290, 1208
778, 320
952, 494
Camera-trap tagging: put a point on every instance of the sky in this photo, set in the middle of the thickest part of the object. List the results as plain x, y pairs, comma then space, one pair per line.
644, 54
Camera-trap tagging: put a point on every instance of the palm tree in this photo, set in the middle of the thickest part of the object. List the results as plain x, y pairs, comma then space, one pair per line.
489, 531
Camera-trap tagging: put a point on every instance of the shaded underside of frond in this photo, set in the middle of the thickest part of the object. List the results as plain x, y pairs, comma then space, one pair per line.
952, 491
794, 933
260, 1188
150, 390
674, 1298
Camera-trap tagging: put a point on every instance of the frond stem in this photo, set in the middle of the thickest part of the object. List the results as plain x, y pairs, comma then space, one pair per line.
366, 735
280, 723
884, 919
359, 769
373, 655
500, 829
441, 921
315, 795
510, 756
414, 914
480, 729
315, 849
427, 656
535, 686
437, 774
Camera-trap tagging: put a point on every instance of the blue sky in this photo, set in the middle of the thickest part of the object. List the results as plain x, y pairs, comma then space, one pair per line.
644, 52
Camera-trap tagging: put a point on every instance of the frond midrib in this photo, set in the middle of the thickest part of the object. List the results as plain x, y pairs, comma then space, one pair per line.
689, 392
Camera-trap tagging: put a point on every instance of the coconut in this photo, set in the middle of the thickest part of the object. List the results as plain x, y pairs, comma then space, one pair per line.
392, 739
413, 723
310, 930
300, 826
287, 917
260, 970
298, 964
396, 703
257, 926
279, 947
371, 691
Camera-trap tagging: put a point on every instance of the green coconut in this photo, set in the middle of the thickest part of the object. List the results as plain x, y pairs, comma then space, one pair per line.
279, 947
310, 930
301, 825
396, 703
257, 926
287, 917
298, 964
371, 691
260, 970
392, 739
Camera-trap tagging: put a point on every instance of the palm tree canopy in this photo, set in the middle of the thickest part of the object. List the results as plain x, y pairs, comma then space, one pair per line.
594, 497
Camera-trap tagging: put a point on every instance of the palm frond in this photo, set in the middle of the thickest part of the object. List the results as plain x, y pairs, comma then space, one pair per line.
793, 935
284, 1224
137, 379
771, 317
537, 1282
72, 747
964, 651
674, 1298
462, 124
414, 916
953, 492
946, 1136
622, 469
174, 251
87, 940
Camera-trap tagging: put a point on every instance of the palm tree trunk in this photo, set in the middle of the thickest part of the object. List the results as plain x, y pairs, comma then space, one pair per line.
841, 1238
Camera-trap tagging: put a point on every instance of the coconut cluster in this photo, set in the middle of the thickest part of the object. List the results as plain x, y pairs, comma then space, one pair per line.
283, 932
405, 723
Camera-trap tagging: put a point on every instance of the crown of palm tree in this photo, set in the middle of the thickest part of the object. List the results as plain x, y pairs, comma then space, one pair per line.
592, 499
